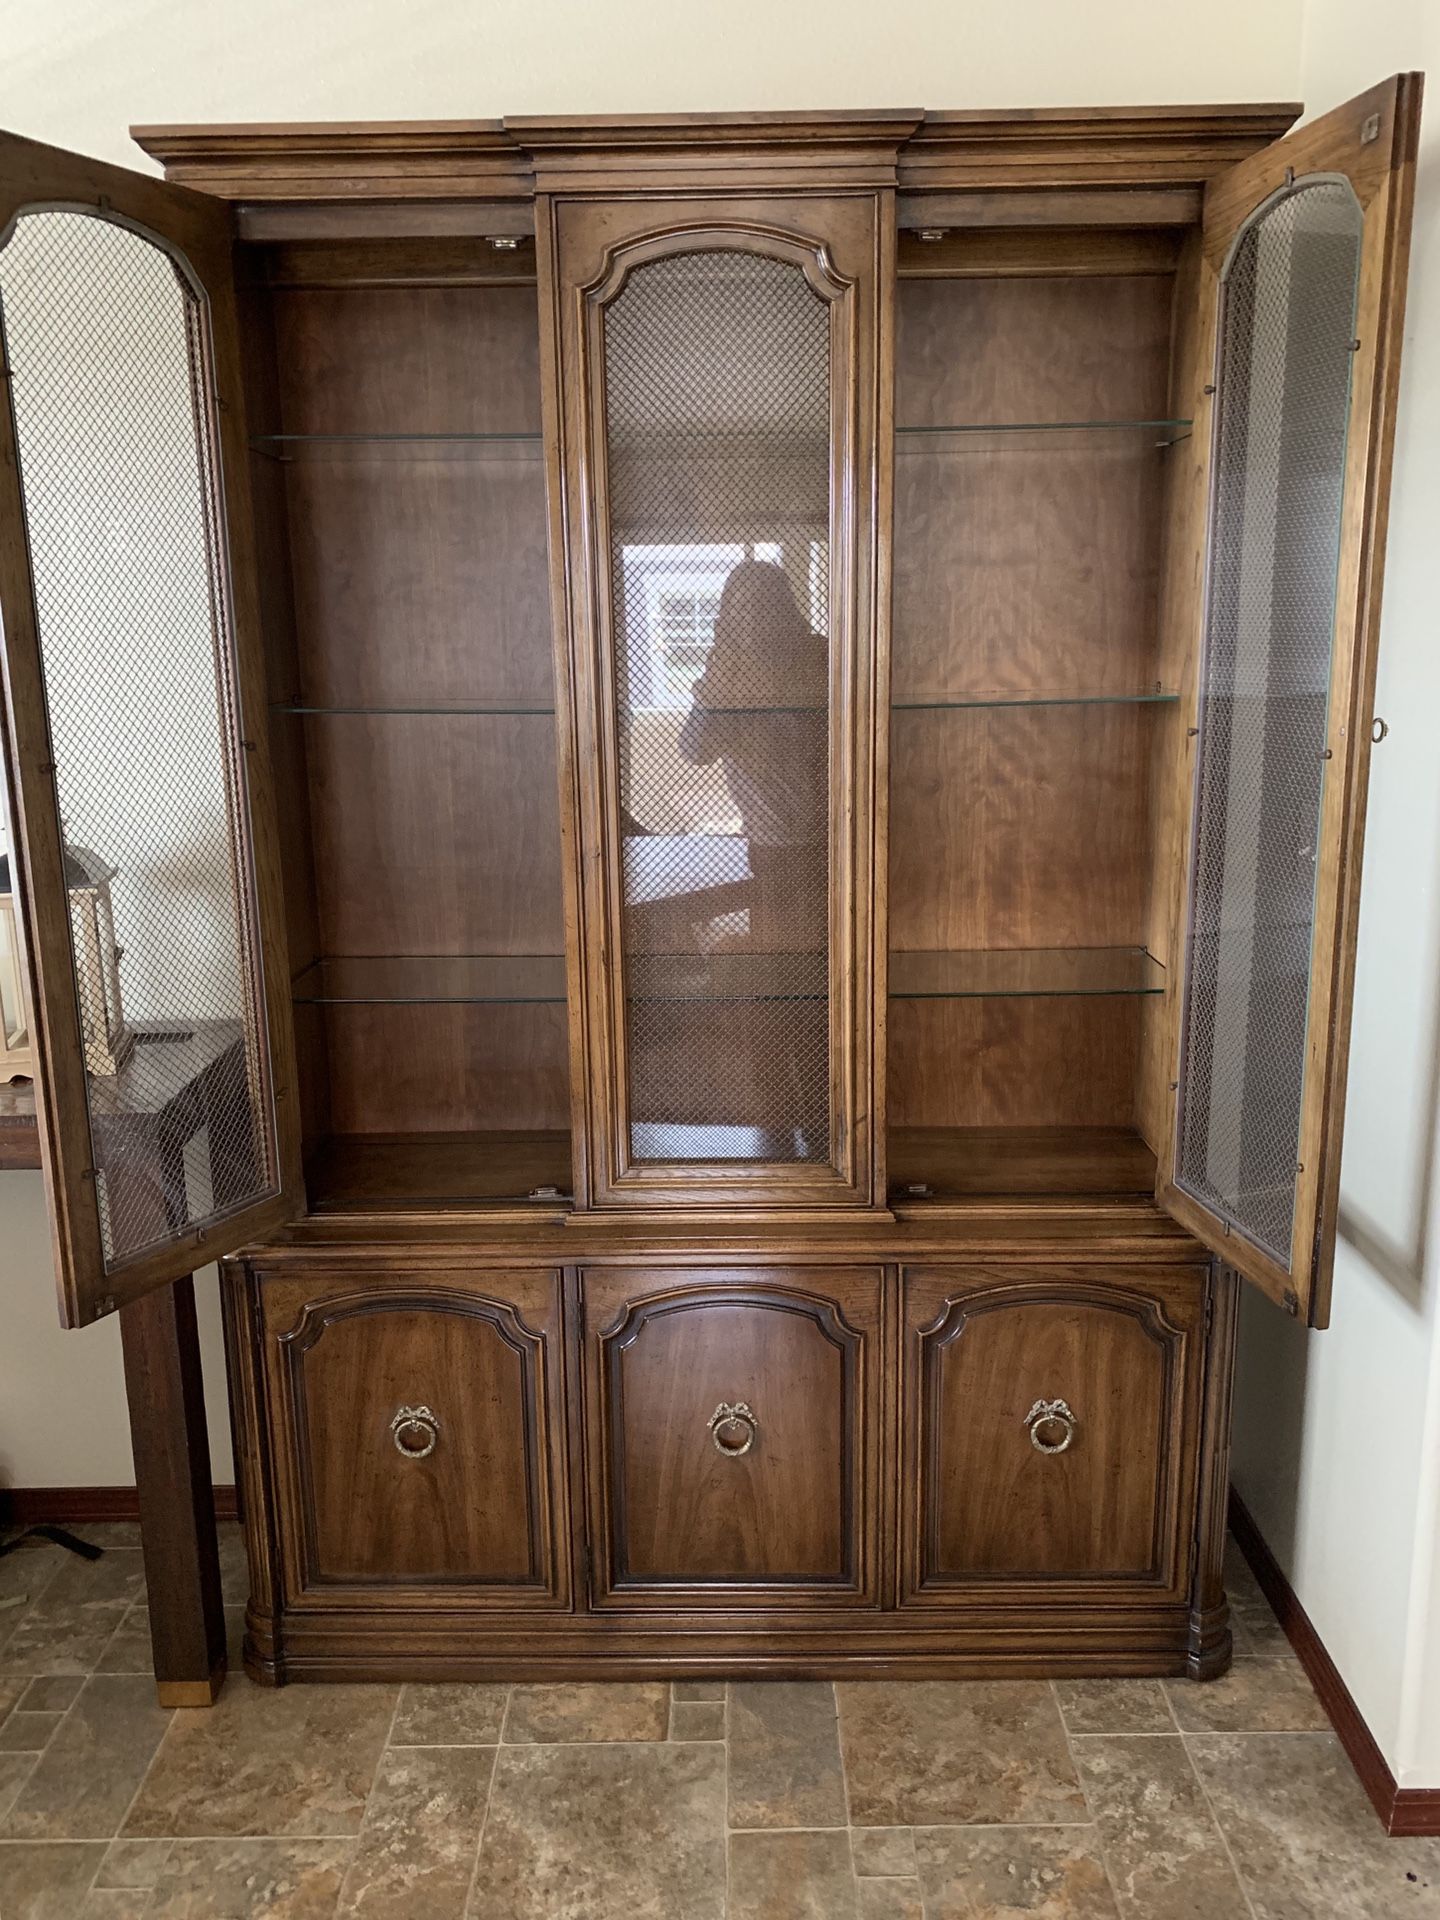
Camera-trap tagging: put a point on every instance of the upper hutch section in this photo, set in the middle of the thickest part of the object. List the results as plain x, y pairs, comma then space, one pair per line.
721, 430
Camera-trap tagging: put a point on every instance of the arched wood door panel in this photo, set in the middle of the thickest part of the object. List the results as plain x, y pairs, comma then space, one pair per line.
733, 1434
419, 1440
1049, 1429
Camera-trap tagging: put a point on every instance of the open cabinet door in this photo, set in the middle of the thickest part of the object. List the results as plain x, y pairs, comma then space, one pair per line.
143, 853
1304, 259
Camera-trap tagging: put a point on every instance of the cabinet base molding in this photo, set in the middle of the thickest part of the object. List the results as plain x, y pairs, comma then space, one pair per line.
1210, 1642
819, 1664
373, 1648
1411, 1812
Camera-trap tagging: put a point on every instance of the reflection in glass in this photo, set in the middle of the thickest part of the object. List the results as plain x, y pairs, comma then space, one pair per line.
718, 420
1287, 323
108, 353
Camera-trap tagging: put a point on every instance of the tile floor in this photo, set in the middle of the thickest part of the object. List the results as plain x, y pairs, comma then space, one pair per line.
1082, 1800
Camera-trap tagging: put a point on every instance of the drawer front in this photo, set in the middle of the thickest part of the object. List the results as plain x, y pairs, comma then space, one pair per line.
1050, 1430
732, 1424
420, 1440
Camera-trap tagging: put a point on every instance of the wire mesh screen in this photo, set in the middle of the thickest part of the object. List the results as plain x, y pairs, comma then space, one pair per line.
717, 391
1286, 325
107, 352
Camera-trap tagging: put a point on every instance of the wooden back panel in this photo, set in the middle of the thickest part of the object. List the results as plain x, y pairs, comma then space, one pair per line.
1021, 568
420, 583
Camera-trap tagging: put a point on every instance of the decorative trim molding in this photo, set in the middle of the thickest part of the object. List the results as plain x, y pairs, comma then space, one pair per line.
1086, 147
72, 1506
1404, 1811
497, 160
375, 160
695, 152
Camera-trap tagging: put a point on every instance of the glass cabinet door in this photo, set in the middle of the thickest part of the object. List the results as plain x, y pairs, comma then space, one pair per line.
717, 444
1305, 248
139, 843
727, 438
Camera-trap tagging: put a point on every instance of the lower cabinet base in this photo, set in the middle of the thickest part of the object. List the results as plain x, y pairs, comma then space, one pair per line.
411, 1647
906, 1459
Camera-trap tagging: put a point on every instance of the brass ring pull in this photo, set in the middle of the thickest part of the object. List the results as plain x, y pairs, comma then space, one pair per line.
1052, 1426
733, 1417
1378, 729
415, 1420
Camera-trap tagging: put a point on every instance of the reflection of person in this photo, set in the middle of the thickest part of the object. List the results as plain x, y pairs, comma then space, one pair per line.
760, 709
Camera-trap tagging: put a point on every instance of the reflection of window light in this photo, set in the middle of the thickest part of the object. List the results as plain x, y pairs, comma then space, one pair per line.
671, 597
672, 594
819, 572
683, 1140
683, 632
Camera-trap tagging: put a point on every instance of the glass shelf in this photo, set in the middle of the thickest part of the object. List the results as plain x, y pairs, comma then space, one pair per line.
718, 979
460, 708
477, 979
521, 707
524, 447
942, 703
470, 979
1040, 435
721, 978
1035, 971
1034, 434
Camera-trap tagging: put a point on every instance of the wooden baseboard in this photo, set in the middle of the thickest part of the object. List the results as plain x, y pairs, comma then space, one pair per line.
1409, 1811
72, 1506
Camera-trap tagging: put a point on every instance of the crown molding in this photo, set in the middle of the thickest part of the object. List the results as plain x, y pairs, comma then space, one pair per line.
1095, 147
330, 161
608, 153
508, 161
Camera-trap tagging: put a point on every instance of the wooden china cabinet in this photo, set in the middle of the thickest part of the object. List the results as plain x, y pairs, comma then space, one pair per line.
732, 753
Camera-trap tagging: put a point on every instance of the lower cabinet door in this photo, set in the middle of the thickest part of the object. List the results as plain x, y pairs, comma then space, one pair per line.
1050, 1429
420, 1435
732, 1422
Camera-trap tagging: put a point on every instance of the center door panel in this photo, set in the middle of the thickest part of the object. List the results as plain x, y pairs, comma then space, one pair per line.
733, 1433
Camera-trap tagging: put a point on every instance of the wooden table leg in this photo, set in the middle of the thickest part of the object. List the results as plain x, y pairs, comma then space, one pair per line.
177, 1501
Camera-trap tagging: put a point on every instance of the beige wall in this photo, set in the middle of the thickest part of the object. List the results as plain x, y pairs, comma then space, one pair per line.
1338, 1435
79, 71
62, 1395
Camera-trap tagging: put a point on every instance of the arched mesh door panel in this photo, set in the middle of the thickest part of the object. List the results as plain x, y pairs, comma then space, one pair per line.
107, 348
718, 429
1287, 322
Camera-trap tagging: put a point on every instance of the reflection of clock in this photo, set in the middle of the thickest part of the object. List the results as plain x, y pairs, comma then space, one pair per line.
97, 955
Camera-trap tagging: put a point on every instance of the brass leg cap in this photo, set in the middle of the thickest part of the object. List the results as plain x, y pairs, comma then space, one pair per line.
192, 1693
